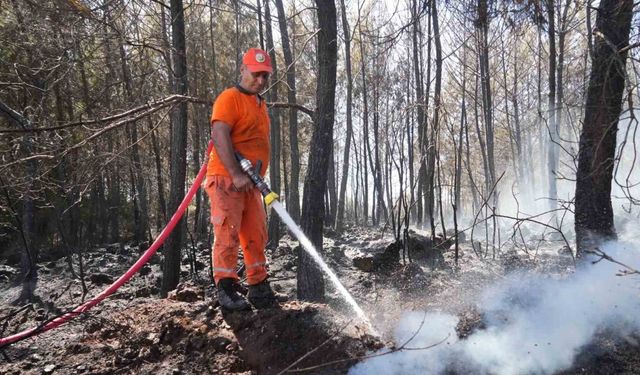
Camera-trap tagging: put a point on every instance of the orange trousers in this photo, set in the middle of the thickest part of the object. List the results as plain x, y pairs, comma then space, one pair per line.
239, 220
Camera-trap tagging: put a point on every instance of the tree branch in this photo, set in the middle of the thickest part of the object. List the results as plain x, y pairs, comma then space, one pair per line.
147, 108
15, 117
297, 106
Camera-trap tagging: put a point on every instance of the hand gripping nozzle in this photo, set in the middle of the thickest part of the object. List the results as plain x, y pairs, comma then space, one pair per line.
254, 175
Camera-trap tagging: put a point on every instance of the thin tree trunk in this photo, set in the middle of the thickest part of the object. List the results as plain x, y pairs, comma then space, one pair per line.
427, 185
293, 198
274, 135
552, 162
524, 176
510, 126
472, 185
483, 31
367, 147
332, 191
365, 132
380, 208
560, 86
421, 122
285, 174
140, 206
540, 117
162, 205
103, 209
26, 222
113, 177
410, 126
431, 153
260, 34
214, 70
463, 125
349, 131
356, 197
480, 135
237, 43
199, 131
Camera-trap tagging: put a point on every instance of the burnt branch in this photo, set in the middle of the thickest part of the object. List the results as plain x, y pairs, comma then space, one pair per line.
628, 270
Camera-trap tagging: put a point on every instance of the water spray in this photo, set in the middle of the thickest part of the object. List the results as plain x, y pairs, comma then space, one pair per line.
271, 199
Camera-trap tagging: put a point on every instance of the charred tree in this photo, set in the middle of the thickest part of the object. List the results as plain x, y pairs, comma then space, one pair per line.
365, 132
432, 141
310, 282
178, 163
276, 145
293, 198
594, 212
113, 177
332, 193
378, 212
349, 131
482, 24
140, 207
552, 149
199, 135
421, 118
161, 216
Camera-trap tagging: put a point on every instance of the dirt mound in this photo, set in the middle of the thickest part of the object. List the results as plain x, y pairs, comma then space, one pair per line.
274, 339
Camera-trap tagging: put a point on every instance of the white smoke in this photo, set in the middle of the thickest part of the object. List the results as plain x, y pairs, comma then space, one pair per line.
534, 324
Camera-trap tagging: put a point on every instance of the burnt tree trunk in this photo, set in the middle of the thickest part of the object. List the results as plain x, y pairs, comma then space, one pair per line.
433, 137
199, 133
293, 198
463, 125
178, 163
374, 152
417, 63
594, 213
332, 193
161, 216
27, 224
552, 152
310, 281
274, 135
365, 133
349, 134
212, 39
485, 85
113, 175
140, 206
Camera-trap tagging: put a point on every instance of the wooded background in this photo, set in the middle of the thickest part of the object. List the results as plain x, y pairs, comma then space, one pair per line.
423, 113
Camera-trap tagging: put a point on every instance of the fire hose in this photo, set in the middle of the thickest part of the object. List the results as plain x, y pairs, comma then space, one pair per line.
130, 272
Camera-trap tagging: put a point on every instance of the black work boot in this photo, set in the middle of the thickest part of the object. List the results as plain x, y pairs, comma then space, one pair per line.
228, 296
261, 295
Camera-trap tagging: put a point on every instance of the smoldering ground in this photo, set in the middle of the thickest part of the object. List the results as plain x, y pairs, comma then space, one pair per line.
532, 323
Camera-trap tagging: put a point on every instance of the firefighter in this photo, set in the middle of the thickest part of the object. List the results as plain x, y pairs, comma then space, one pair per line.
240, 123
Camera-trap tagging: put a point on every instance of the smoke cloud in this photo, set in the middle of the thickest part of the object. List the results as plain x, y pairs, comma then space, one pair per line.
533, 324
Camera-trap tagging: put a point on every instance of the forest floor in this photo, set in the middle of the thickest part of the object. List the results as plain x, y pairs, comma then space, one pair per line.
135, 332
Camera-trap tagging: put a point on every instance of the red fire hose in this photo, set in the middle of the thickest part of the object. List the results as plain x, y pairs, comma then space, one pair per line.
124, 278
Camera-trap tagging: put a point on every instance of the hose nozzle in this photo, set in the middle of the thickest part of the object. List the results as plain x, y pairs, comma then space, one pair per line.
254, 175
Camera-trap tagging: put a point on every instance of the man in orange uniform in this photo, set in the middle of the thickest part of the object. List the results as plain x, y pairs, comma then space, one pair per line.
240, 123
